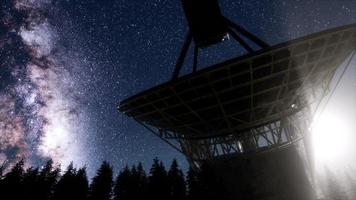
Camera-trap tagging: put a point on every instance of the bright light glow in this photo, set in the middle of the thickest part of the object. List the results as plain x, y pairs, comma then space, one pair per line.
332, 139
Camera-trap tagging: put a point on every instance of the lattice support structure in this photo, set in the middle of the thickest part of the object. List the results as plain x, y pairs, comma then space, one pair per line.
269, 136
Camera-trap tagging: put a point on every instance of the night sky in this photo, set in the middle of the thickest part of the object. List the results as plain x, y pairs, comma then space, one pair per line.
67, 66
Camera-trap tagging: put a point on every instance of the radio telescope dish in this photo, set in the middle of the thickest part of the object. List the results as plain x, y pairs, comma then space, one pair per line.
249, 117
244, 101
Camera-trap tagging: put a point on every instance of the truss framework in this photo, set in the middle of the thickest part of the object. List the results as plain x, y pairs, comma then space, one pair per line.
269, 136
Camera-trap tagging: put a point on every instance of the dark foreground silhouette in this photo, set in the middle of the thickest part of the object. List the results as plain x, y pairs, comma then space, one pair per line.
48, 183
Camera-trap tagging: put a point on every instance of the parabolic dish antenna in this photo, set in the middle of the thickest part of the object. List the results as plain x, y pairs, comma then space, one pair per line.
248, 117
248, 104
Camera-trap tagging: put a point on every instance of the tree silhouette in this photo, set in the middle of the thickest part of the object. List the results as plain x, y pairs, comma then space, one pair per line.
65, 188
193, 187
2, 172
31, 184
138, 182
141, 182
82, 184
12, 183
131, 183
48, 177
73, 185
176, 182
101, 186
158, 186
121, 188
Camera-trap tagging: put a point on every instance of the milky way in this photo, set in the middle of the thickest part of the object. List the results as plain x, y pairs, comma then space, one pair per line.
38, 115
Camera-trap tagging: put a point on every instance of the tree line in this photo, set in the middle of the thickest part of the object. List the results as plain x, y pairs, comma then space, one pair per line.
131, 183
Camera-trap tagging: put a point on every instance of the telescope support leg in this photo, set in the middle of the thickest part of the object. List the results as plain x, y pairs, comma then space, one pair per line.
182, 55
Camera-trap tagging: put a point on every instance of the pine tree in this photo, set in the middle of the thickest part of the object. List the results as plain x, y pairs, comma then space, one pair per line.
82, 184
101, 186
48, 177
65, 188
193, 188
121, 188
12, 183
176, 182
158, 182
138, 182
133, 183
31, 184
73, 185
141, 187
2, 167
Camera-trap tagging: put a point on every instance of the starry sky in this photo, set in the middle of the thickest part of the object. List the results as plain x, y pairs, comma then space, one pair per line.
65, 65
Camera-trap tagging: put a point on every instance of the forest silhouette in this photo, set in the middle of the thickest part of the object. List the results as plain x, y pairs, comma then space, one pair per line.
131, 183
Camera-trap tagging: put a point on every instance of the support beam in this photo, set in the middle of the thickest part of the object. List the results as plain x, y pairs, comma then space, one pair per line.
183, 53
241, 41
233, 28
158, 135
247, 34
195, 61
